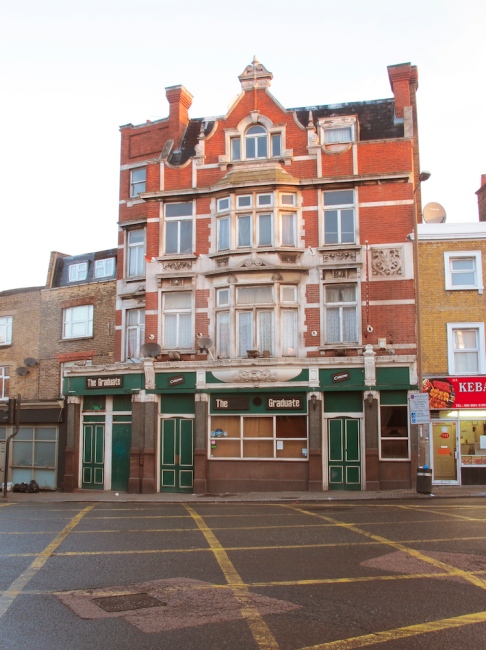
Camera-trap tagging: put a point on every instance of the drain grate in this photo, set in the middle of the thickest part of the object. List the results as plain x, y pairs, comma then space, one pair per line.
127, 602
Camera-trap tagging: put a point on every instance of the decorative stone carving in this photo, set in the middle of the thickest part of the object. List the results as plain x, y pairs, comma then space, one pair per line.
176, 282
255, 75
339, 274
222, 261
149, 371
256, 262
288, 258
277, 277
339, 256
255, 375
387, 261
177, 266
369, 365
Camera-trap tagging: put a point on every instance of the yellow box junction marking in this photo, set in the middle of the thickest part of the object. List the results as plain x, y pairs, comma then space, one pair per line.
8, 596
260, 630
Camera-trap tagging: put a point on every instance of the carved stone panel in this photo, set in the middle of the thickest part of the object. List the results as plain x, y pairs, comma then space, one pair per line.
387, 261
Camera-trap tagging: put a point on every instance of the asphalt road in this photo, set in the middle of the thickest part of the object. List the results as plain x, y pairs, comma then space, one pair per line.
295, 576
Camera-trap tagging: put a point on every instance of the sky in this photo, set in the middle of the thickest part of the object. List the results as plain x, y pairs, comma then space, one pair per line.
73, 71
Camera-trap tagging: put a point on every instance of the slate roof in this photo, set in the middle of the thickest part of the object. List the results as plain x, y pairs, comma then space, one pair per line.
376, 122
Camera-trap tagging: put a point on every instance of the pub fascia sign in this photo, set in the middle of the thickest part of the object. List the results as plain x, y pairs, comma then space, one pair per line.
284, 403
115, 381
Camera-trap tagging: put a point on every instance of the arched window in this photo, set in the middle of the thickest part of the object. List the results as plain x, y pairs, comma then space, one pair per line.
256, 142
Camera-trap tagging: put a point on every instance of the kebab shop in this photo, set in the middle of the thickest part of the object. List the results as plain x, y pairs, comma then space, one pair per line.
458, 429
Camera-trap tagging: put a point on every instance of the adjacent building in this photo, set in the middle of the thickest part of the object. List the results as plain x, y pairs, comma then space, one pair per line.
265, 306
44, 330
452, 260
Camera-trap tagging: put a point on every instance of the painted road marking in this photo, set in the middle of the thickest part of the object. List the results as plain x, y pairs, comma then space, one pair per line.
401, 633
400, 546
260, 630
8, 596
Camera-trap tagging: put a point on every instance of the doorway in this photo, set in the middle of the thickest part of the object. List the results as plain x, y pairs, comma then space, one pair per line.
444, 450
344, 454
177, 455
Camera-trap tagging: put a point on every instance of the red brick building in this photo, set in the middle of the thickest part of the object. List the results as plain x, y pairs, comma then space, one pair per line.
265, 300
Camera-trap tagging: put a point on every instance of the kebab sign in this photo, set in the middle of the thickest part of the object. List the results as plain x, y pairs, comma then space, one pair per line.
457, 392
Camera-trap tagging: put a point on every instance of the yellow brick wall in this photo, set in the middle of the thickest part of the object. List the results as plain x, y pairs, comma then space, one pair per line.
439, 307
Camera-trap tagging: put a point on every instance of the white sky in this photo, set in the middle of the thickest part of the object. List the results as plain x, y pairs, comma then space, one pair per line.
73, 71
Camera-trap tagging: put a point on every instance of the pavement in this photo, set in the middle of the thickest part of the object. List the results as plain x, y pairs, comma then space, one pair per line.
57, 496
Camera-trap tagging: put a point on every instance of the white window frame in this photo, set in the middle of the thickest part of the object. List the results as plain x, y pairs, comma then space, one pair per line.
179, 221
333, 124
340, 208
136, 329
340, 306
78, 272
135, 254
3, 382
137, 185
237, 143
450, 257
71, 316
480, 350
179, 312
6, 325
104, 268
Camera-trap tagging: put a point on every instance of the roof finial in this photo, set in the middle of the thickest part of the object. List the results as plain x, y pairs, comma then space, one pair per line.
255, 75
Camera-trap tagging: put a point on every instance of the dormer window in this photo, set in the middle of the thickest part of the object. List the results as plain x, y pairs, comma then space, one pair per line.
337, 133
258, 144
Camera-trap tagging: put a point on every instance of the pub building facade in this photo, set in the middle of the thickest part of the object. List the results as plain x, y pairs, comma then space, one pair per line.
265, 329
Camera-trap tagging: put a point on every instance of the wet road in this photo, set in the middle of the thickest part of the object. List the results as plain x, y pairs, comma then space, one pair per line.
293, 576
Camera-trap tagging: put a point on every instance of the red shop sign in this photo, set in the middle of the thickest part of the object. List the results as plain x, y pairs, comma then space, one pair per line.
444, 435
456, 392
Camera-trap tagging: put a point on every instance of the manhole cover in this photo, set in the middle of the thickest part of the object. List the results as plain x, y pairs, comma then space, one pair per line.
127, 602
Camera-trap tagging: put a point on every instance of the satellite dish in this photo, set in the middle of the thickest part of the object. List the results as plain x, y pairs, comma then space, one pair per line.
150, 350
204, 342
434, 213
22, 371
31, 362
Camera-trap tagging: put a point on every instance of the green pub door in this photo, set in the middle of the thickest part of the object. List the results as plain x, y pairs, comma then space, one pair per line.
344, 454
176, 455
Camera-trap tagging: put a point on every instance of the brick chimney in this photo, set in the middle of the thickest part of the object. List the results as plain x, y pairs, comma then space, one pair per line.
482, 198
180, 101
404, 83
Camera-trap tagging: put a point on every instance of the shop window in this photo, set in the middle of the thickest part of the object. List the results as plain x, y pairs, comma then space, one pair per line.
339, 217
394, 437
276, 437
34, 452
136, 252
178, 228
463, 270
466, 352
